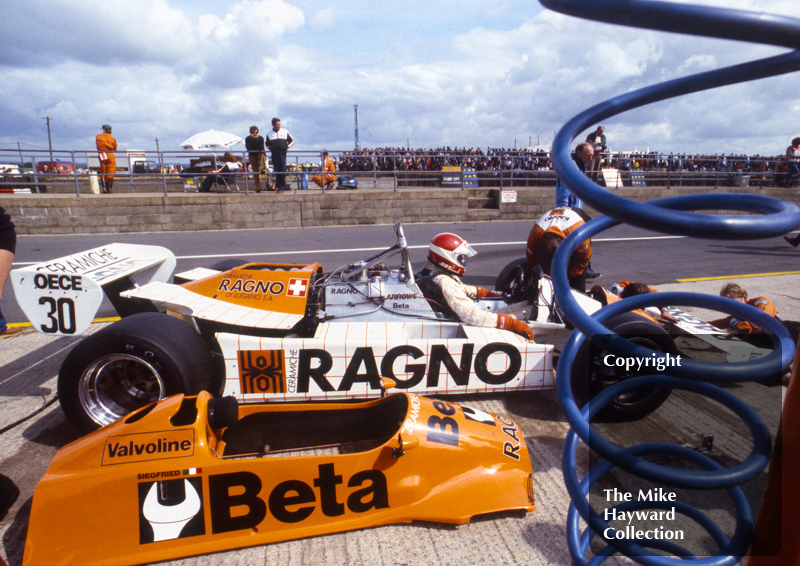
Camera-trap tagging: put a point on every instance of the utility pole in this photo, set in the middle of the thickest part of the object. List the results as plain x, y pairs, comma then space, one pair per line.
355, 107
21, 159
49, 140
160, 160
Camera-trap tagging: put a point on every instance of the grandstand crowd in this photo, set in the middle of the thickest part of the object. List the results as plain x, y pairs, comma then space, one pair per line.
495, 159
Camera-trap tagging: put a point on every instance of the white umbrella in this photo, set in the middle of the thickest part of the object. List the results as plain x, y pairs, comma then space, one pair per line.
211, 139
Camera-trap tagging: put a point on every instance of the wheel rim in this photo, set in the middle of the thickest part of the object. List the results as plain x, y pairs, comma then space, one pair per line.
115, 385
604, 377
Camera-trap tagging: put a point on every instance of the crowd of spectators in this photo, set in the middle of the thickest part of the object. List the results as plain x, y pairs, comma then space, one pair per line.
494, 159
402, 159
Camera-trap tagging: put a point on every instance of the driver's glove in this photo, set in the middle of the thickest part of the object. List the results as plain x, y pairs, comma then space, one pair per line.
484, 293
508, 322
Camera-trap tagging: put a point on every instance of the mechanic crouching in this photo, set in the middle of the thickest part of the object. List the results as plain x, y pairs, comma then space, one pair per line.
442, 285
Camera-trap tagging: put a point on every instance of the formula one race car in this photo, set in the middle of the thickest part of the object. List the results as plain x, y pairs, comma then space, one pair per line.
191, 475
287, 332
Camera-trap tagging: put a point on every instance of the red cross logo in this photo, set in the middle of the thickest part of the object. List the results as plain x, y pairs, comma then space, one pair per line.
297, 288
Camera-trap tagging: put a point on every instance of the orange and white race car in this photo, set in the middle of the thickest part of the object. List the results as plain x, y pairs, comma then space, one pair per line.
283, 332
195, 474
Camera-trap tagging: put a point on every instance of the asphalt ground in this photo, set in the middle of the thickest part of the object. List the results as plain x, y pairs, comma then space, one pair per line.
29, 365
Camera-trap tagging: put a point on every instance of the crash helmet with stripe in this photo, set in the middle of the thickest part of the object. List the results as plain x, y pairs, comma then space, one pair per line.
450, 252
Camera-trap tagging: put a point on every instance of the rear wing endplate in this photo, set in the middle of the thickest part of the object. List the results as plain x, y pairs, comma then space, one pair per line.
62, 296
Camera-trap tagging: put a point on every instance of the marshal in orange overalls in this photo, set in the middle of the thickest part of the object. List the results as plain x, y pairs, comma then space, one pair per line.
106, 144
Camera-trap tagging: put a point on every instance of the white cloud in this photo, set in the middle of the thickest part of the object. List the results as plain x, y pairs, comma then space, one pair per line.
446, 73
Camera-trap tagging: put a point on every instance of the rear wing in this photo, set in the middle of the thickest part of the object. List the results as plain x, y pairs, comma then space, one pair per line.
62, 296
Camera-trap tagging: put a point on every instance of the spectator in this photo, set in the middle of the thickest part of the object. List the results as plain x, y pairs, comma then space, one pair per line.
279, 141
230, 166
326, 178
792, 161
598, 140
106, 145
583, 155
257, 155
8, 245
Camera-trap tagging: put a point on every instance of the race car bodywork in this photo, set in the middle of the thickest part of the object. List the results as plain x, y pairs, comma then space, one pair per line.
192, 475
276, 332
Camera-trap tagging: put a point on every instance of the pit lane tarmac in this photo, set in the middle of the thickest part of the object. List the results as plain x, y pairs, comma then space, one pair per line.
29, 364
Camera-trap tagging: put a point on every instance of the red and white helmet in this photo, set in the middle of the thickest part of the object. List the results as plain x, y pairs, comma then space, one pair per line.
450, 252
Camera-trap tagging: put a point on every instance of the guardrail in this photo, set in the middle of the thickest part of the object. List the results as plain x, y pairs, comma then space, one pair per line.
39, 171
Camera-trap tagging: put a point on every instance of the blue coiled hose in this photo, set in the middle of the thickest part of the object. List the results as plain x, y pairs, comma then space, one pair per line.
678, 215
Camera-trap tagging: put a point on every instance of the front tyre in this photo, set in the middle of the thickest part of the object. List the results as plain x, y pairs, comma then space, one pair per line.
129, 364
590, 375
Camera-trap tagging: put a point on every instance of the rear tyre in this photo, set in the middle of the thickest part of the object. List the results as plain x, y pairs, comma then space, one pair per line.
129, 364
590, 375
230, 263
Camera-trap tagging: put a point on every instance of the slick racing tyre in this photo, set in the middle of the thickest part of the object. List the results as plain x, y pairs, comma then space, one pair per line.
590, 375
129, 364
230, 263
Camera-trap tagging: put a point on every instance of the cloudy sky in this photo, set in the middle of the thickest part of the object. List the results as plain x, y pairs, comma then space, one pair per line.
425, 73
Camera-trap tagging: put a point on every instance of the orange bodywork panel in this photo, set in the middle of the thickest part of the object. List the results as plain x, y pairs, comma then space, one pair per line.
162, 484
267, 286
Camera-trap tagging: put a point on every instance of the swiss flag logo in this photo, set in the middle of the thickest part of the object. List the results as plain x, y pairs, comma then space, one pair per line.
297, 288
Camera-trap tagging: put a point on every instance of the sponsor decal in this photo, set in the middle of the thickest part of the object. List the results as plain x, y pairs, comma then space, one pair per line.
510, 447
400, 296
148, 446
413, 414
83, 263
171, 509
53, 282
342, 291
241, 287
169, 474
297, 287
236, 502
262, 371
313, 365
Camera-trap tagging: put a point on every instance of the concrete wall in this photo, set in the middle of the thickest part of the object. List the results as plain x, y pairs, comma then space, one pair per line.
122, 213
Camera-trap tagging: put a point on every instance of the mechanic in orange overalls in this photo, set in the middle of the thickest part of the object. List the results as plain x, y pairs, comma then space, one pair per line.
548, 232
733, 325
327, 165
106, 144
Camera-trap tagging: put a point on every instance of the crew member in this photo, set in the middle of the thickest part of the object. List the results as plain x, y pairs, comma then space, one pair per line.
326, 178
106, 144
625, 288
448, 253
548, 232
733, 325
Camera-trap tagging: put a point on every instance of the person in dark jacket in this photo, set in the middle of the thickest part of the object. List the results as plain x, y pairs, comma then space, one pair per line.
278, 142
8, 245
257, 154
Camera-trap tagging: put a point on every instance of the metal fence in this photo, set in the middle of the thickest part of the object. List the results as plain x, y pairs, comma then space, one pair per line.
38, 171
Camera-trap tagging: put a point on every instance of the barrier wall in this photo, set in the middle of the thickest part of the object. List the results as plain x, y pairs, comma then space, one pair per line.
126, 213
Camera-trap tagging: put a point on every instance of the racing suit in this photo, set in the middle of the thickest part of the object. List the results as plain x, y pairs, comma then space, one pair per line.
460, 299
562, 222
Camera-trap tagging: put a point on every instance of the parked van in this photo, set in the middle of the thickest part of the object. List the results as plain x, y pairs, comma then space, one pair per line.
55, 167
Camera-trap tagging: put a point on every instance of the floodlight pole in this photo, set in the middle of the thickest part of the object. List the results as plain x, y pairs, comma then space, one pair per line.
49, 140
355, 107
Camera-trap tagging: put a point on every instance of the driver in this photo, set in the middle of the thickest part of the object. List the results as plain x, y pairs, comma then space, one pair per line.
448, 254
